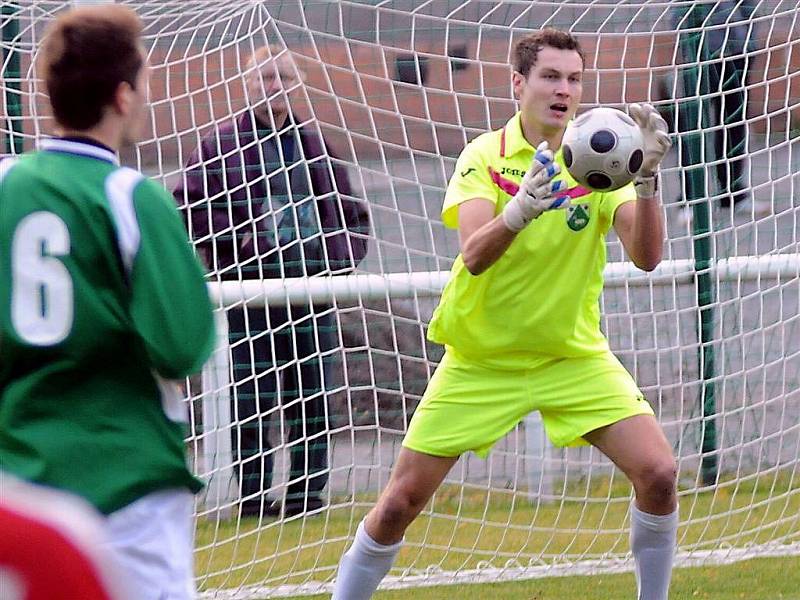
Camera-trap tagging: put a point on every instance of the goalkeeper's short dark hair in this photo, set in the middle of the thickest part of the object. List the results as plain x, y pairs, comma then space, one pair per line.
526, 50
87, 52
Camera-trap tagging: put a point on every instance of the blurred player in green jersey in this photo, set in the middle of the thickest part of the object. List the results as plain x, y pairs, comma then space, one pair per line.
520, 320
102, 303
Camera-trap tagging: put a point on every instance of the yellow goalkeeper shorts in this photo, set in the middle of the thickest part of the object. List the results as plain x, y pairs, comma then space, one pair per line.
468, 406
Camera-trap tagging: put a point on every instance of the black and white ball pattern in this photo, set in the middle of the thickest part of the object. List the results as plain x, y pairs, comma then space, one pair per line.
603, 149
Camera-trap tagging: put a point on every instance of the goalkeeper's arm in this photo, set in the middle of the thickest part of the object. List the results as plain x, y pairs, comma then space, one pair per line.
640, 225
484, 238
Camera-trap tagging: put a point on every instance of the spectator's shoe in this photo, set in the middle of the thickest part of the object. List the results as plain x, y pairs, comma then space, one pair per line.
685, 216
273, 509
254, 508
757, 209
747, 209
293, 508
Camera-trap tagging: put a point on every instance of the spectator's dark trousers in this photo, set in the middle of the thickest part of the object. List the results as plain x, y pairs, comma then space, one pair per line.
280, 368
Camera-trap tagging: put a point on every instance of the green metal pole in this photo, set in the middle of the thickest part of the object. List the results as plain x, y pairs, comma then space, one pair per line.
692, 117
11, 76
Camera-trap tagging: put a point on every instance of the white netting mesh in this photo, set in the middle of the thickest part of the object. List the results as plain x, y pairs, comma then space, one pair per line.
397, 88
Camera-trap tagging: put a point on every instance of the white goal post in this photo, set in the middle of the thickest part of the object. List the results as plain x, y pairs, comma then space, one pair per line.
397, 88
218, 456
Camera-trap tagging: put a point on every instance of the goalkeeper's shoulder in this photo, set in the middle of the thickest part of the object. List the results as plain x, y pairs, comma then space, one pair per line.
483, 146
476, 157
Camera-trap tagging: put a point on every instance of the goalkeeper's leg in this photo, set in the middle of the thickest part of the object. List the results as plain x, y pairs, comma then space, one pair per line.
639, 448
415, 477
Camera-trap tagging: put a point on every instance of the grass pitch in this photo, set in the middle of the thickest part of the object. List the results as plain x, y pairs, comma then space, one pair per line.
465, 528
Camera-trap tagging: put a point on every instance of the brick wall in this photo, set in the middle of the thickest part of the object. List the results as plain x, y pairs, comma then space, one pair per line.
362, 110
358, 99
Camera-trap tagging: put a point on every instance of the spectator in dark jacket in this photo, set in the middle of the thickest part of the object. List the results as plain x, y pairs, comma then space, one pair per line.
264, 198
726, 48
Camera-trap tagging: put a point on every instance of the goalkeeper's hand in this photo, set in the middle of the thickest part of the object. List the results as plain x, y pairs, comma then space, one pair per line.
656, 145
537, 191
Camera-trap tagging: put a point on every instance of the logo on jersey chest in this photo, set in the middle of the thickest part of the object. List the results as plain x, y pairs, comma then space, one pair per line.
577, 216
513, 172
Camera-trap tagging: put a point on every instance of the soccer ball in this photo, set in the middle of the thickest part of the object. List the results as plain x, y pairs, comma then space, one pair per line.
603, 149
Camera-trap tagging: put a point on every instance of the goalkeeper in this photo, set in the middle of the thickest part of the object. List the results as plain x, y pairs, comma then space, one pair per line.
102, 303
532, 254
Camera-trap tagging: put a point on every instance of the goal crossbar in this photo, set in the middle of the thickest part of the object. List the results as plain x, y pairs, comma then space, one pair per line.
366, 286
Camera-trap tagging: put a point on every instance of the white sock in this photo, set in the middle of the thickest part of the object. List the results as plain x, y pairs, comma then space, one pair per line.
363, 567
653, 546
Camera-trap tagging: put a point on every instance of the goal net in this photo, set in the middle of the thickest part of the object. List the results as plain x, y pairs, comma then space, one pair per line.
397, 88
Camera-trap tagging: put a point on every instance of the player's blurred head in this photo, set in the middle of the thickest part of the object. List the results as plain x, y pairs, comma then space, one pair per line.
547, 79
272, 76
92, 61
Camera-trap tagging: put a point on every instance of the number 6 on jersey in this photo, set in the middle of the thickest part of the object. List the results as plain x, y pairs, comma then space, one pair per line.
41, 286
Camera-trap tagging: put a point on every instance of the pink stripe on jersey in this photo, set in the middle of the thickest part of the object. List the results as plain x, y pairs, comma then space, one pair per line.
511, 188
577, 191
508, 186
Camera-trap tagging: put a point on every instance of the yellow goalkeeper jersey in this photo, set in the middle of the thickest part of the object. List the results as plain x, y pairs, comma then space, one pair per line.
542, 296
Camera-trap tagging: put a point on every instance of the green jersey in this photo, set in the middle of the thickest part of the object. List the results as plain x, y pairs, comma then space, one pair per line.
102, 302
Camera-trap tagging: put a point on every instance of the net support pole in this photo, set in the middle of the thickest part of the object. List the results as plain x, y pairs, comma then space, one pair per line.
11, 75
706, 300
693, 117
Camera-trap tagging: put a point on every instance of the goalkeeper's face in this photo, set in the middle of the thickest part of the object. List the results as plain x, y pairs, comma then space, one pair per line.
549, 96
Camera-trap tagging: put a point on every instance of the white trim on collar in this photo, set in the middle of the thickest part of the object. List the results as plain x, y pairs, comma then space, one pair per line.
58, 145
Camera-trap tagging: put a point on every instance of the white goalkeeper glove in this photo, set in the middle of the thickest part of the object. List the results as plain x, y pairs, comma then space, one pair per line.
537, 191
656, 145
